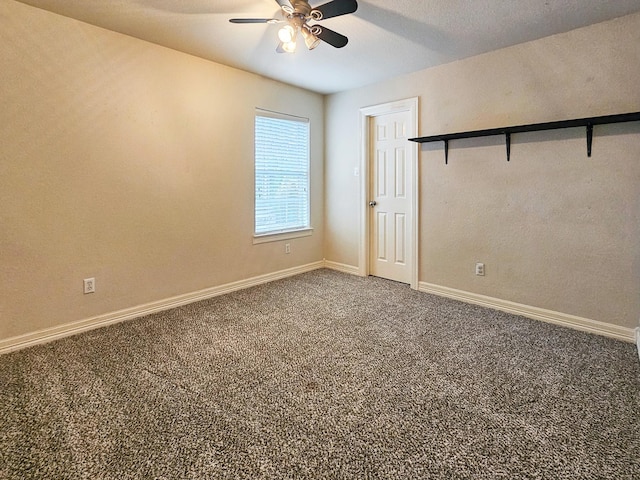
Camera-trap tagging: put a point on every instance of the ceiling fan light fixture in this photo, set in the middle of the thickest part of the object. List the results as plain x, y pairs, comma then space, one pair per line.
289, 47
287, 34
295, 16
310, 40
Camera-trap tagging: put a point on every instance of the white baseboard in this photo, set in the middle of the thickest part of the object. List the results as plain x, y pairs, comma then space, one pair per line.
549, 316
341, 267
73, 328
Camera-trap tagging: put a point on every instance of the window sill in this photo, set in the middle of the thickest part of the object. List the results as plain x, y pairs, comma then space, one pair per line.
275, 237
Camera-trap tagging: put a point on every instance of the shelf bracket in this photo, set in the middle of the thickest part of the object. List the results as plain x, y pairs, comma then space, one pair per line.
507, 138
588, 122
446, 152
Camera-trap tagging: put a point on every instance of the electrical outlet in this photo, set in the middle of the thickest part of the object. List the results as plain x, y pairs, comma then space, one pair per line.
480, 269
89, 285
287, 248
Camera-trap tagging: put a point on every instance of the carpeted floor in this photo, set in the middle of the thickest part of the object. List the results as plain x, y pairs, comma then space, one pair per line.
323, 376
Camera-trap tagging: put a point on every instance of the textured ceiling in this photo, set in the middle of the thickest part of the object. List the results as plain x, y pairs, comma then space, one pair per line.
386, 38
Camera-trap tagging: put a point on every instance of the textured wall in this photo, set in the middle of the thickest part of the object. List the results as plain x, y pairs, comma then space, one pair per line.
131, 163
556, 230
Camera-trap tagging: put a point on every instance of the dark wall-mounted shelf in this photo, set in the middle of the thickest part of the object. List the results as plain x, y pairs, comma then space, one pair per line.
534, 127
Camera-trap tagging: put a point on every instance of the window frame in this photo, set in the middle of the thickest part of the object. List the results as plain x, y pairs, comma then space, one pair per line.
283, 234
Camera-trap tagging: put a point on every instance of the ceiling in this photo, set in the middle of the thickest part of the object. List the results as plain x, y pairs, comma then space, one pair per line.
387, 38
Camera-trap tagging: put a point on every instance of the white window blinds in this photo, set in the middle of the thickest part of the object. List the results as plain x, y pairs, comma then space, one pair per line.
281, 173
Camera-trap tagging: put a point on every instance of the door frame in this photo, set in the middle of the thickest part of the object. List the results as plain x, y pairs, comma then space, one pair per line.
407, 105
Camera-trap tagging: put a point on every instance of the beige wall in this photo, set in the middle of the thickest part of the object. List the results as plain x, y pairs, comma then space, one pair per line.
556, 230
131, 163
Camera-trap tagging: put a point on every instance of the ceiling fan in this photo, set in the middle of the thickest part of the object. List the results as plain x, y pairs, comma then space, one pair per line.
296, 15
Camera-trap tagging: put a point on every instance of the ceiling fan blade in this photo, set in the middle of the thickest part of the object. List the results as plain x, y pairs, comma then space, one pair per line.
334, 9
254, 20
286, 6
332, 38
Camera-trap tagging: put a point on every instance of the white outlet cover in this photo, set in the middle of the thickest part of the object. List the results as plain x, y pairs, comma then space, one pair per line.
89, 285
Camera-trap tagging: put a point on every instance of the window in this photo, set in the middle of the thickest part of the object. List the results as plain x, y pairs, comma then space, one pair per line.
281, 174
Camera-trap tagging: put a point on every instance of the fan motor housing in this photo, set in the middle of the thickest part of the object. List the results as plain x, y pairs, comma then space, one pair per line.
301, 6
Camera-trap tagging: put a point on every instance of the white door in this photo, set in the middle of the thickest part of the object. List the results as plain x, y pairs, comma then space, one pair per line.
390, 202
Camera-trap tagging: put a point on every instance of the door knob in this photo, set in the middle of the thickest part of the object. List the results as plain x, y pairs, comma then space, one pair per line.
372, 203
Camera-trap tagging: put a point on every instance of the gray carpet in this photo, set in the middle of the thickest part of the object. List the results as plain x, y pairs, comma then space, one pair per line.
323, 376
